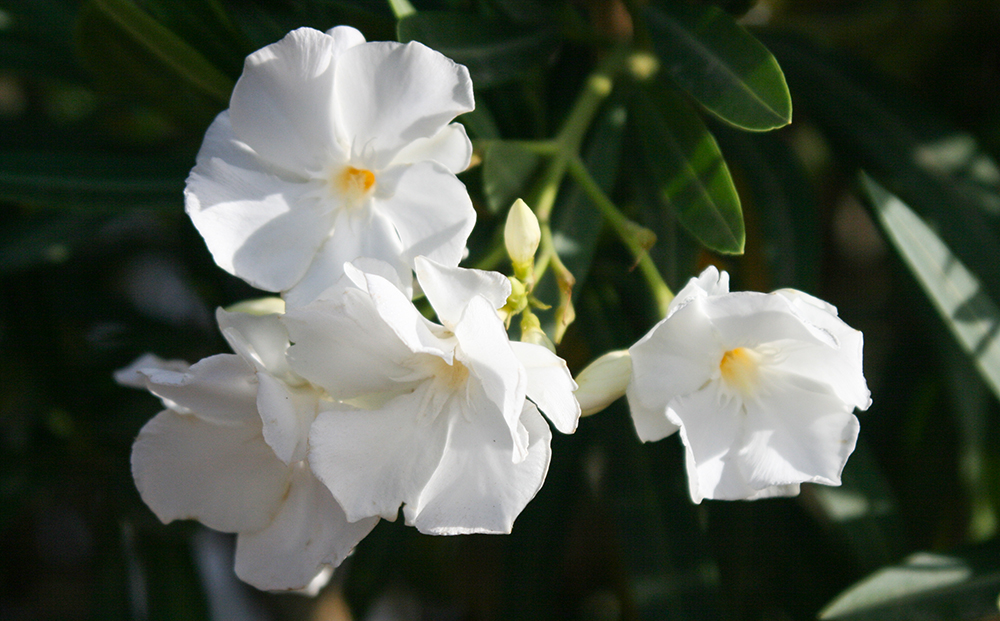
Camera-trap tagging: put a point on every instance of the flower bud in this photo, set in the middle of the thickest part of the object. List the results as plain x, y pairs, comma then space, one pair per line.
521, 235
259, 306
603, 381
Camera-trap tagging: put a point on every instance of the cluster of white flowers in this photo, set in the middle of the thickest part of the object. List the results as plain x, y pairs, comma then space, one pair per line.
331, 181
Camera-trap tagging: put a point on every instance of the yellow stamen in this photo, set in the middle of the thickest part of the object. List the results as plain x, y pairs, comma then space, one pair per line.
740, 369
355, 182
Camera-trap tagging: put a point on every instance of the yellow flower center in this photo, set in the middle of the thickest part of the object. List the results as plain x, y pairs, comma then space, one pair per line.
741, 369
354, 183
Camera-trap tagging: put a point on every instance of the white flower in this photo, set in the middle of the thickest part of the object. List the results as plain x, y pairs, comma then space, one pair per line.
334, 149
438, 419
230, 450
761, 386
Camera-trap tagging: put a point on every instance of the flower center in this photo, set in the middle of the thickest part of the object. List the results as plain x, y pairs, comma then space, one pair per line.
449, 377
353, 183
740, 369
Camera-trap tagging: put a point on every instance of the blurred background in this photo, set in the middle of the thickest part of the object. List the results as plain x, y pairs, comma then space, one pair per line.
99, 264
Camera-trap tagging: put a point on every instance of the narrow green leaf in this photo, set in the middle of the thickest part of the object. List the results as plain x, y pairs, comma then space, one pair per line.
719, 63
167, 47
934, 586
132, 54
507, 173
494, 50
690, 175
955, 291
207, 27
937, 170
91, 180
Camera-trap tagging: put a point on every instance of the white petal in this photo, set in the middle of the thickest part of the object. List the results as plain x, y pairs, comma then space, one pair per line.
286, 412
356, 234
347, 349
220, 388
484, 349
709, 283
249, 215
412, 328
130, 376
675, 358
749, 318
389, 95
260, 339
450, 289
375, 460
431, 212
650, 422
550, 385
842, 368
450, 147
798, 431
282, 105
309, 533
355, 276
477, 488
711, 427
345, 37
227, 477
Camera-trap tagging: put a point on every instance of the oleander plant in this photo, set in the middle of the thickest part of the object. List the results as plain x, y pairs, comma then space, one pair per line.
502, 309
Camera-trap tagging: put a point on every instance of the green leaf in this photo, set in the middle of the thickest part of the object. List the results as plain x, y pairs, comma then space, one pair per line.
937, 170
508, 169
955, 291
207, 27
715, 60
494, 50
94, 180
690, 175
933, 586
134, 55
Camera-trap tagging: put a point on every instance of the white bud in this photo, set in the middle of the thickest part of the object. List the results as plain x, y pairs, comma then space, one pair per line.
603, 380
521, 234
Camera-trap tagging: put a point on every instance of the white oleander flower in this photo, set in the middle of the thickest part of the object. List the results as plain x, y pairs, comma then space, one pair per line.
229, 451
439, 418
762, 388
334, 149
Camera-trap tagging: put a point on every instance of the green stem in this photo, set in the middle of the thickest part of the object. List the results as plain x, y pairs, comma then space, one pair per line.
598, 86
538, 147
567, 146
625, 229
